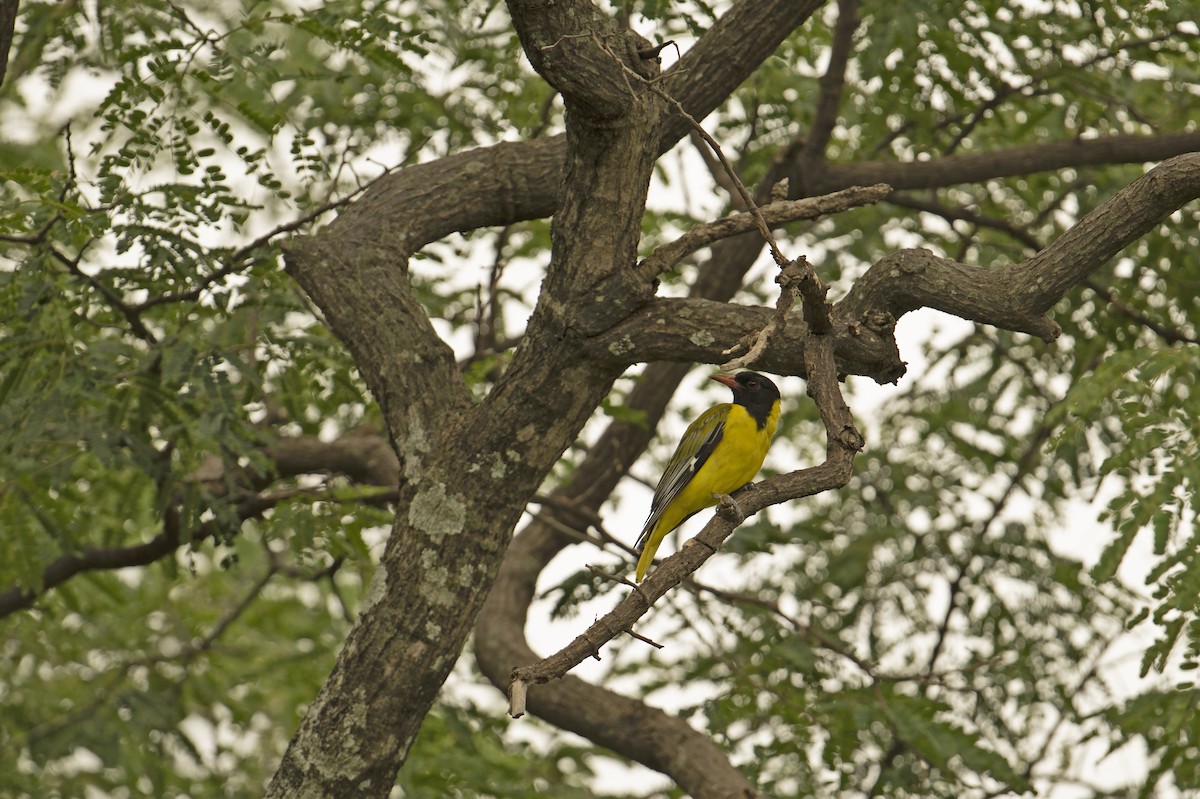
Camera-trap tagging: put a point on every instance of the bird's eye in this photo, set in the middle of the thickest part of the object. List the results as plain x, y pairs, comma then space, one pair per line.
752, 384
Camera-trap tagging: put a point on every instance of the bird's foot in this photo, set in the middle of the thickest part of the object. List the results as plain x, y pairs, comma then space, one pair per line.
730, 508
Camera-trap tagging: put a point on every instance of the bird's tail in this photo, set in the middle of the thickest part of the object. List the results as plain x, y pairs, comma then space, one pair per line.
648, 545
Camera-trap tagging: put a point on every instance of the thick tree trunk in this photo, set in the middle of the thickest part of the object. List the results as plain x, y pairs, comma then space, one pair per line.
467, 471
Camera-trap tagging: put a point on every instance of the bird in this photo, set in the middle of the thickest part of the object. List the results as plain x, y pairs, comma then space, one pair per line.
720, 452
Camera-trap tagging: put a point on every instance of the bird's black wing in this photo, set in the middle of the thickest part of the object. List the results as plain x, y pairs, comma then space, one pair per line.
698, 443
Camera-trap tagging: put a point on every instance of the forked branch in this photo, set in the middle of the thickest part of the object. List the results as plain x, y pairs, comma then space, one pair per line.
843, 442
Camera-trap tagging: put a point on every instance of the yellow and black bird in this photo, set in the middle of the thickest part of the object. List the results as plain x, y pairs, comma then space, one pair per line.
720, 452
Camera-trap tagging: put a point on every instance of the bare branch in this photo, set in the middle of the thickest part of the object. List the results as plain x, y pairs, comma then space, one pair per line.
695, 331
843, 441
833, 81
8, 22
365, 458
776, 213
715, 170
1130, 214
1021, 160
1168, 333
1016, 297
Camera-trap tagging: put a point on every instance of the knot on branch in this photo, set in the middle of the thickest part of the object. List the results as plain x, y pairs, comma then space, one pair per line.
851, 439
799, 276
656, 50
910, 261
793, 272
1044, 328
779, 192
879, 322
730, 510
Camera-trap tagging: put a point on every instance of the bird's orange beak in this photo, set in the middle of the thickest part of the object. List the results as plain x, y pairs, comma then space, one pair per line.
727, 380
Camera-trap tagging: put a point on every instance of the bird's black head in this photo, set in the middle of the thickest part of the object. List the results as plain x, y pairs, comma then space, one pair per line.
756, 393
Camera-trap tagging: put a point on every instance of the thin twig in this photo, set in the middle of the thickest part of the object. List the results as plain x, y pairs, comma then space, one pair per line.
742, 192
131, 313
644, 639
778, 212
240, 258
617, 578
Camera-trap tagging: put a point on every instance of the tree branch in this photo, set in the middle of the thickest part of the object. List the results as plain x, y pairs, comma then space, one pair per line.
832, 83
1016, 297
63, 568
573, 46
842, 442
8, 23
699, 331
910, 279
1168, 333
1130, 214
776, 213
1013, 297
729, 52
983, 166
364, 458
